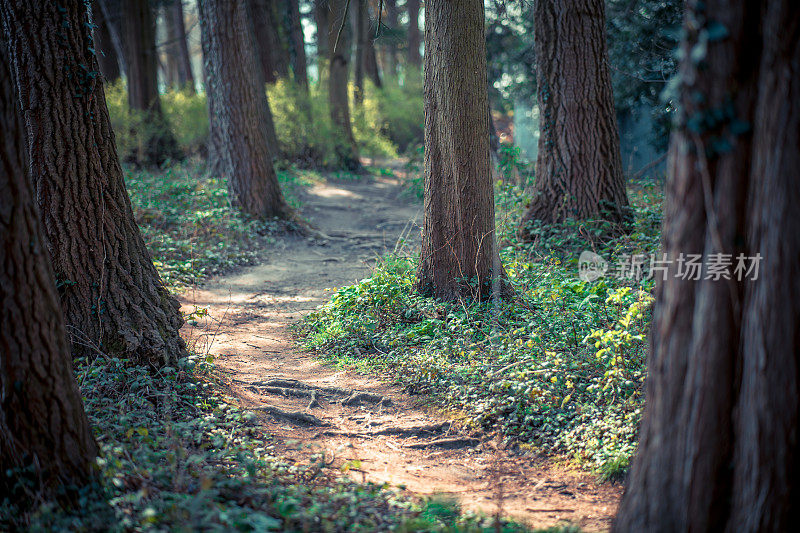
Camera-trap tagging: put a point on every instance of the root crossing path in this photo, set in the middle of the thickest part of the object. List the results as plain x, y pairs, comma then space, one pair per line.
383, 434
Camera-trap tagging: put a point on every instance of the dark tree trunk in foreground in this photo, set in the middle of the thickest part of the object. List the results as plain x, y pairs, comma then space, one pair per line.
578, 169
271, 47
297, 50
106, 53
414, 57
239, 143
42, 423
459, 252
157, 144
177, 48
720, 443
111, 295
338, 98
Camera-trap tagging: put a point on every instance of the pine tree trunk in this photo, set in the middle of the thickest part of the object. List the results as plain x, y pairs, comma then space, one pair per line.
157, 143
459, 251
720, 442
578, 169
360, 19
389, 48
111, 295
271, 46
177, 47
338, 98
298, 46
42, 422
414, 57
238, 110
104, 45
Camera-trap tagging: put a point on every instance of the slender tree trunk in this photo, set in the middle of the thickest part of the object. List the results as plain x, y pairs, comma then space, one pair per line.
271, 46
338, 99
389, 48
298, 45
177, 48
720, 443
360, 20
414, 57
578, 169
459, 251
371, 61
321, 15
111, 295
42, 422
157, 143
111, 11
104, 45
238, 110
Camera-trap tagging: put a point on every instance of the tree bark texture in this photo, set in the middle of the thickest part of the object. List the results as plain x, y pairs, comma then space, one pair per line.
107, 57
111, 295
271, 45
240, 119
297, 51
720, 443
42, 422
321, 15
157, 143
578, 168
177, 49
338, 98
414, 57
459, 252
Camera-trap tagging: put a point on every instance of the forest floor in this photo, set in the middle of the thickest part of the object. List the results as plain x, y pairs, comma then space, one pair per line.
385, 435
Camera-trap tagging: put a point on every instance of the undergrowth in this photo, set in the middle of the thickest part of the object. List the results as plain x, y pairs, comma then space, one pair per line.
561, 367
189, 226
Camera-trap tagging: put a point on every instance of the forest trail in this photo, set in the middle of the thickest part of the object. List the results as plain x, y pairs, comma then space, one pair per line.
384, 435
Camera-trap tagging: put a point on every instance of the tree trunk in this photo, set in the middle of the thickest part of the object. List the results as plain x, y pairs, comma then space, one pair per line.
111, 11
338, 100
459, 251
578, 169
389, 48
271, 46
177, 48
157, 143
361, 27
298, 48
238, 110
104, 45
321, 15
111, 295
414, 57
42, 422
720, 443
370, 59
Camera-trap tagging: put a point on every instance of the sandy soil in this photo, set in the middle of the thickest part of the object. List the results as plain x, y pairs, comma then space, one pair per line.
394, 437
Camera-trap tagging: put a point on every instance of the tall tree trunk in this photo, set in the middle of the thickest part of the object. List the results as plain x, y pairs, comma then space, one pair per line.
321, 15
459, 251
42, 422
271, 45
111, 295
297, 50
338, 99
238, 110
389, 46
720, 442
157, 143
369, 57
360, 20
177, 48
106, 53
414, 57
111, 11
578, 168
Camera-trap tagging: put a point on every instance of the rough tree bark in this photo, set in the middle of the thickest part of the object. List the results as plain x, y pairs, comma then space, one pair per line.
414, 57
157, 143
177, 49
240, 119
338, 98
106, 53
459, 251
111, 295
42, 422
297, 50
271, 48
578, 168
720, 443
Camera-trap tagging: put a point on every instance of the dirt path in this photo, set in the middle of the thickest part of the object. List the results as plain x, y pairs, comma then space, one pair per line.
391, 435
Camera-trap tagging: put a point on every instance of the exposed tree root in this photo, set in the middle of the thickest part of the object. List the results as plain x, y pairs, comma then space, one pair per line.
418, 431
447, 444
292, 387
296, 416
